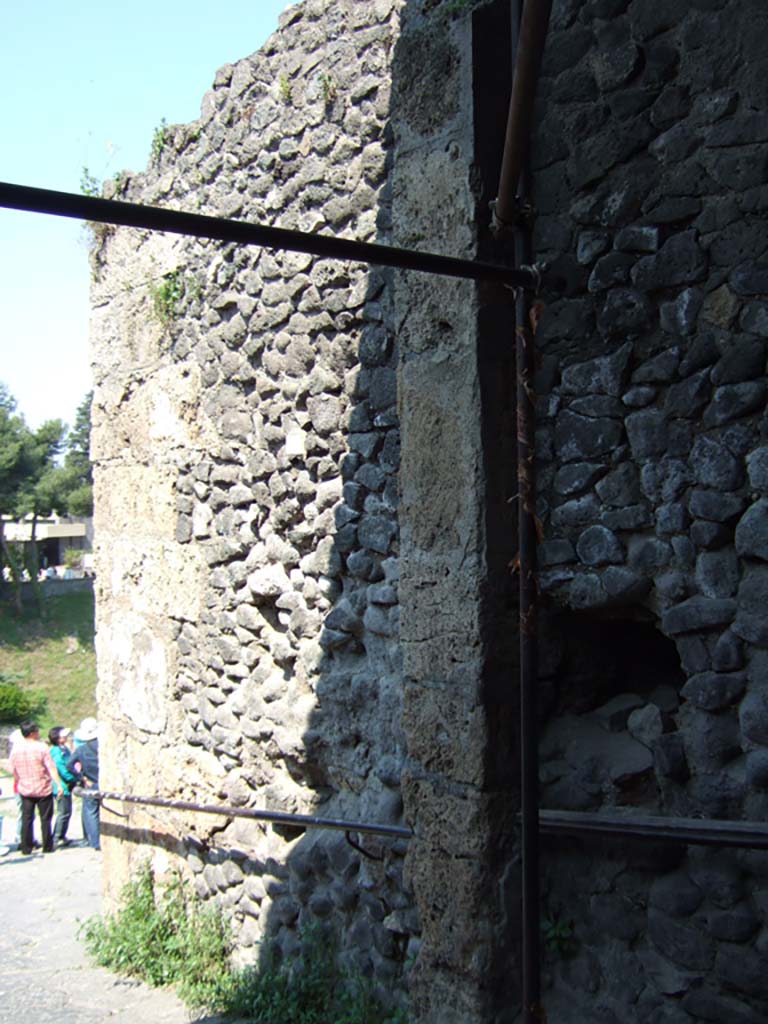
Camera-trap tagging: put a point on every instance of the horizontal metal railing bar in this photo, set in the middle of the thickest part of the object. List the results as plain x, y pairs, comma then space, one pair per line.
274, 817
156, 218
694, 831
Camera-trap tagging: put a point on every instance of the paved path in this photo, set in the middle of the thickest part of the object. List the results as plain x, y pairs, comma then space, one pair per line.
45, 975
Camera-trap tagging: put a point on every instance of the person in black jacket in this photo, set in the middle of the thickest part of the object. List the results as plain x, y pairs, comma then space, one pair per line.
83, 763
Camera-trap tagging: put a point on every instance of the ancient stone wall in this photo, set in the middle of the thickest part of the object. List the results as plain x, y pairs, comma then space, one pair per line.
256, 643
651, 189
246, 445
305, 502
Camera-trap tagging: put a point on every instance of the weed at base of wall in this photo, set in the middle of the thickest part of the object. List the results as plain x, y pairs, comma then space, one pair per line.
164, 937
313, 989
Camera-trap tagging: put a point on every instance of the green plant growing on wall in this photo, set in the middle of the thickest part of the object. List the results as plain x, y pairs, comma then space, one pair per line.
167, 295
121, 183
286, 90
558, 936
89, 184
96, 232
159, 140
327, 89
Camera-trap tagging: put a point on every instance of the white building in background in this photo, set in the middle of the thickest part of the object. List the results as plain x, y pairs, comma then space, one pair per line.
54, 534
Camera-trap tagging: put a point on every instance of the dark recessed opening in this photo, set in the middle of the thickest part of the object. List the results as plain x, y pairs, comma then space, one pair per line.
584, 662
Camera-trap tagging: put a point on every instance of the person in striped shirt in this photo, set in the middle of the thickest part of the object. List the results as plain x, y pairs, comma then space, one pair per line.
34, 773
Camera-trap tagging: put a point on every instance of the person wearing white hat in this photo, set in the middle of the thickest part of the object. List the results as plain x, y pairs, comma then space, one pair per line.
83, 763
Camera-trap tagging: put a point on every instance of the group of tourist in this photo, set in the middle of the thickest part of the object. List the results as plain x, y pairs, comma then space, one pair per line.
44, 776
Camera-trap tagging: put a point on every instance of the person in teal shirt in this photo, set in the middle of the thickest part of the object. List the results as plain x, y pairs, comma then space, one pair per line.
60, 740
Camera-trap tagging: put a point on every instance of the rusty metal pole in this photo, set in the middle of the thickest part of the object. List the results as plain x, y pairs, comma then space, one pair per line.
527, 540
530, 28
254, 814
514, 196
512, 210
157, 218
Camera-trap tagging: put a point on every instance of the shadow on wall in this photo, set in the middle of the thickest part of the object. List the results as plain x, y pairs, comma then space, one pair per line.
351, 760
315, 721
610, 689
144, 837
347, 761
649, 133
293, 680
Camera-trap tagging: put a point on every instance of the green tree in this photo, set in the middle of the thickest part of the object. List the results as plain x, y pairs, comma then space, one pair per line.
65, 487
31, 482
77, 462
14, 445
16, 463
40, 492
36, 494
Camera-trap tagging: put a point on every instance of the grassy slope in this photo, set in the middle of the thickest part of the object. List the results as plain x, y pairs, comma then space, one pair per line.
35, 650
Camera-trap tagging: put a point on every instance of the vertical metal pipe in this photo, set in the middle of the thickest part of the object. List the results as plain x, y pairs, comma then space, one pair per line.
529, 742
530, 26
526, 504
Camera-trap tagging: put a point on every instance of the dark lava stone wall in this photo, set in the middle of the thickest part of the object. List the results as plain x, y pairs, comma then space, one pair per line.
651, 188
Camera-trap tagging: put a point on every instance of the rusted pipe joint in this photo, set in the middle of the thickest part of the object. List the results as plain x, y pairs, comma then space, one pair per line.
522, 213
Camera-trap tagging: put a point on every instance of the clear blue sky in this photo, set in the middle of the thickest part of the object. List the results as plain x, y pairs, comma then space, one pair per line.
86, 84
